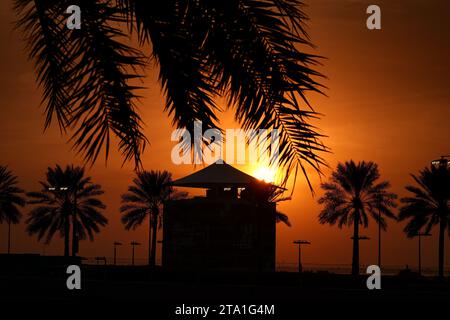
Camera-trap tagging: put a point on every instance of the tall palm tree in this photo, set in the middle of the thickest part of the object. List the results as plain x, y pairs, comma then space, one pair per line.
144, 199
10, 200
68, 200
254, 53
352, 195
428, 206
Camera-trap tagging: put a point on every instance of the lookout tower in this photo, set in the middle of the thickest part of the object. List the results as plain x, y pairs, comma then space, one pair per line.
231, 227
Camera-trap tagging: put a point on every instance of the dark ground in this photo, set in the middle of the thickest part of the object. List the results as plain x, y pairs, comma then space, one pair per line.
157, 293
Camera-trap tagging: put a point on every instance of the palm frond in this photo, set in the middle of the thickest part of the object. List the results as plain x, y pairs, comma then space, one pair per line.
78, 204
255, 53
85, 75
427, 204
11, 197
353, 192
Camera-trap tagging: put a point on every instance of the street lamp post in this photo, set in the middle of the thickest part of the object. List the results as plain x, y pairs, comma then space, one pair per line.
300, 243
133, 244
116, 243
442, 165
379, 238
9, 236
420, 235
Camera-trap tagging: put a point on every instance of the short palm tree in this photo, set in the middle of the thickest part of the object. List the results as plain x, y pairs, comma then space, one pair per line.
144, 199
10, 200
68, 200
352, 195
254, 53
428, 205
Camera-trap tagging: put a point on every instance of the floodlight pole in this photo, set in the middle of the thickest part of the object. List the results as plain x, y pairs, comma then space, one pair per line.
441, 165
379, 238
299, 243
9, 236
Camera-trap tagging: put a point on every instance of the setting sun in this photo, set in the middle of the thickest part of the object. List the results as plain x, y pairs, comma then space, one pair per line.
265, 173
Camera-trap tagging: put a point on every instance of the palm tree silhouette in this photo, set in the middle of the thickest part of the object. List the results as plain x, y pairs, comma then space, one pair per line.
254, 53
352, 195
428, 206
144, 199
10, 200
68, 200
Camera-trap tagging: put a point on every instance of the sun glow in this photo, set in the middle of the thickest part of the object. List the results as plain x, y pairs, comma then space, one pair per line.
265, 174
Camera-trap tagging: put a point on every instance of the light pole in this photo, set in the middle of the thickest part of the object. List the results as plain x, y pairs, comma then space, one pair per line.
133, 244
420, 235
379, 238
66, 222
441, 166
299, 243
9, 236
116, 243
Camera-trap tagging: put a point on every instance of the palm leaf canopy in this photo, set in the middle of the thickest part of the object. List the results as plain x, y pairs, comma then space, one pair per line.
428, 201
10, 197
79, 203
353, 191
254, 53
149, 191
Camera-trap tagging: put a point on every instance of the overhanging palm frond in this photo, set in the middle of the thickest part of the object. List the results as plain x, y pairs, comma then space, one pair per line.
252, 52
252, 55
281, 217
85, 74
44, 32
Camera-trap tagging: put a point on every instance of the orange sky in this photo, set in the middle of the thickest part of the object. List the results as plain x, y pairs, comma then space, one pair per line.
388, 102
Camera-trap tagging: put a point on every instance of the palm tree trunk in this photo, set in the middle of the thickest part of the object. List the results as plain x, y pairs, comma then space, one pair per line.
154, 233
355, 259
74, 243
442, 225
149, 238
66, 237
67, 215
9, 236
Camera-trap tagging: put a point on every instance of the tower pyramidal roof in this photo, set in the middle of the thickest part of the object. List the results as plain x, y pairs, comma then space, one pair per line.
218, 174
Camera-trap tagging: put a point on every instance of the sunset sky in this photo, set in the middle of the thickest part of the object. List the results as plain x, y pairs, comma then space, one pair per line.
388, 101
